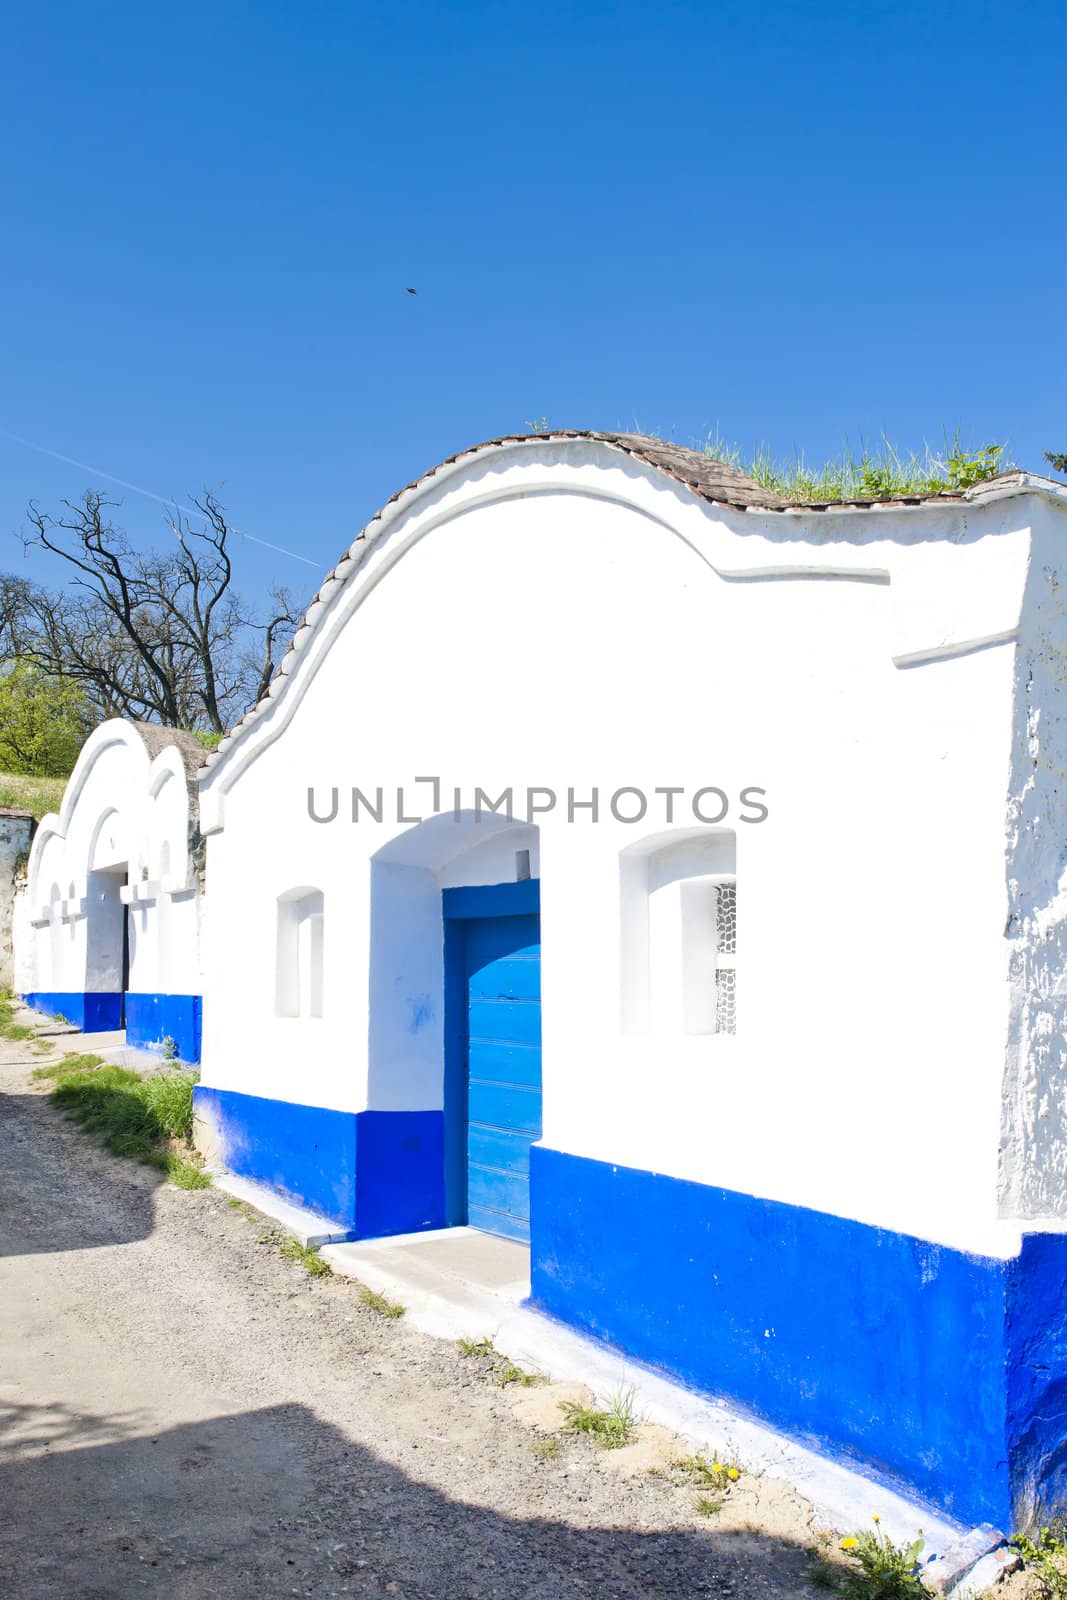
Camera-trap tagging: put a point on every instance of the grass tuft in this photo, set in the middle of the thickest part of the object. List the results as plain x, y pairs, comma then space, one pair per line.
476, 1347
169, 1097
9, 1028
377, 1302
186, 1174
547, 1447
610, 1426
707, 1504
306, 1256
510, 1373
505, 1370
130, 1115
721, 1472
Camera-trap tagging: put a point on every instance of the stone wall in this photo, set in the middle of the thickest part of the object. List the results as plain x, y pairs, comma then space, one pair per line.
16, 831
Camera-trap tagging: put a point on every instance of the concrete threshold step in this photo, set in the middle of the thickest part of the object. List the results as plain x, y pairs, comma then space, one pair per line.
306, 1226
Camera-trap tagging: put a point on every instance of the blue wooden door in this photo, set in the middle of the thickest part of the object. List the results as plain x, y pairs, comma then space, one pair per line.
503, 996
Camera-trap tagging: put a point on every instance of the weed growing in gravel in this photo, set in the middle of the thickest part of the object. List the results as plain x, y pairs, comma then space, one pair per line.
547, 1447
707, 1504
721, 1472
881, 1570
243, 1208
132, 1116
187, 1175
377, 1302
821, 1575
510, 1373
42, 1046
306, 1256
1046, 1561
825, 1569
611, 1425
476, 1347
506, 1371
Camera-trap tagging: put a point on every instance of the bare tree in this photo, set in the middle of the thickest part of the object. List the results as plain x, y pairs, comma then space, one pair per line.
15, 615
160, 636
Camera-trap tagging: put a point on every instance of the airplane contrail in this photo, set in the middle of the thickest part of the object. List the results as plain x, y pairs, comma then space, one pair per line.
149, 494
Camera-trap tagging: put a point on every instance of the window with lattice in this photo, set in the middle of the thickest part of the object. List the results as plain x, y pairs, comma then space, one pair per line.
726, 958
678, 965
709, 955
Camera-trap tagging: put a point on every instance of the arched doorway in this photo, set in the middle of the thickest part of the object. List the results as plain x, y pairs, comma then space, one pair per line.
455, 1005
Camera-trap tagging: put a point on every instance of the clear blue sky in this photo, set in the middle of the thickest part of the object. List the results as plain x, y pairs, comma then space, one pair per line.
798, 222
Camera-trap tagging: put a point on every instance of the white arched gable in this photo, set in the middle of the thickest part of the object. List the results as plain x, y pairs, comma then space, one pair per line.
54, 834
583, 466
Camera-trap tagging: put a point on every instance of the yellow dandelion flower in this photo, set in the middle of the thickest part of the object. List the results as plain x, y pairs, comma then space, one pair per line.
733, 1474
850, 1543
876, 1518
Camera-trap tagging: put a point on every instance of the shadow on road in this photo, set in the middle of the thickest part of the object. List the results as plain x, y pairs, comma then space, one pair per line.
275, 1503
41, 1208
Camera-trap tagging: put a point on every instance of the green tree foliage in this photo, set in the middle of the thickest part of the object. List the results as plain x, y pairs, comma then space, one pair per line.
43, 721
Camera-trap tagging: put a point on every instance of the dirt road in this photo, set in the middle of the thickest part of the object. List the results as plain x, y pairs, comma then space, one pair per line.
186, 1415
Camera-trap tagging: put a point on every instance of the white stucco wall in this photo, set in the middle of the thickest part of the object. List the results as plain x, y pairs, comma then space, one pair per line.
124, 814
1034, 1145
561, 616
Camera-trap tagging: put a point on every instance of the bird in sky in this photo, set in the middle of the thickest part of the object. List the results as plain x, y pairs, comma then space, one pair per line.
412, 291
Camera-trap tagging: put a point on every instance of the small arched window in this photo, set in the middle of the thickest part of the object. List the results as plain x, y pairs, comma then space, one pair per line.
298, 980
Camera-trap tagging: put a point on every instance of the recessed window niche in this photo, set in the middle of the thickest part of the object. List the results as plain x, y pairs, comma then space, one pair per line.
679, 934
298, 982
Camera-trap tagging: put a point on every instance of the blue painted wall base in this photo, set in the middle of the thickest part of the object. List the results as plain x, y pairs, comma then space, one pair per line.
943, 1371
92, 1013
373, 1172
151, 1018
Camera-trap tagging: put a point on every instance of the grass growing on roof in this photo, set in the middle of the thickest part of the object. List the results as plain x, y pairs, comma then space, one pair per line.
871, 475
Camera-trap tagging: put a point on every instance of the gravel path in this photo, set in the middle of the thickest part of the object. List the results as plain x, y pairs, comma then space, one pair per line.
185, 1414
